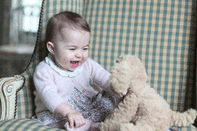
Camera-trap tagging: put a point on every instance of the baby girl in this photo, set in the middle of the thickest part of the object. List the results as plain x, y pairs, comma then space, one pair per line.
65, 81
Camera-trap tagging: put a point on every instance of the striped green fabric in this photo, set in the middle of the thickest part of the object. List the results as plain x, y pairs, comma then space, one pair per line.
24, 125
188, 128
158, 32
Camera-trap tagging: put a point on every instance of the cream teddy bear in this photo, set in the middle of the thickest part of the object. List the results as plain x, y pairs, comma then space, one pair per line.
139, 107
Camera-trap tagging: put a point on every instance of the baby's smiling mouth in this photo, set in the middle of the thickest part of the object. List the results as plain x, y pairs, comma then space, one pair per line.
75, 64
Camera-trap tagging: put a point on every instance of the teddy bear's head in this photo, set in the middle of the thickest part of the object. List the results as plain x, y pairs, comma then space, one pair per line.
127, 68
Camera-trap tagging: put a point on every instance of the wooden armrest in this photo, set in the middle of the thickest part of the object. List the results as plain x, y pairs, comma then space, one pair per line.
8, 90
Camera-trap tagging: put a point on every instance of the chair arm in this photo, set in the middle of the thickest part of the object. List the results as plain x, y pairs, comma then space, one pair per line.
8, 90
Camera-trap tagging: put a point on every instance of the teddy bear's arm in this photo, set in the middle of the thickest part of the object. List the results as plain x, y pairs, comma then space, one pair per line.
127, 108
123, 113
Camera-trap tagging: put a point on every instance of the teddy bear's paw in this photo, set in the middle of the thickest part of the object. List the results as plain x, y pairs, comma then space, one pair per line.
139, 127
103, 126
127, 127
109, 126
183, 119
192, 113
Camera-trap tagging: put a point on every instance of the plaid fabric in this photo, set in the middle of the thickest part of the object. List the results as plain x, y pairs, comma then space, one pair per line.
159, 32
24, 125
188, 128
31, 125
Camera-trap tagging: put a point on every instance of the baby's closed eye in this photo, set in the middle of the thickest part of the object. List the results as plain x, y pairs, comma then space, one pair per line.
72, 48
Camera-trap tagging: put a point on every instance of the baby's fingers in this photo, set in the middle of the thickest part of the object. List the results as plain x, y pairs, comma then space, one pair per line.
78, 123
83, 121
67, 127
71, 123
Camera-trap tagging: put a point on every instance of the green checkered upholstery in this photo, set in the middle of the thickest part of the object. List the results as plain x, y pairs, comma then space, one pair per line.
161, 33
24, 124
158, 32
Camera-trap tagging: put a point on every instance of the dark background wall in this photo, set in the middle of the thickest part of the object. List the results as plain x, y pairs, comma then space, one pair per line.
5, 6
11, 62
1, 20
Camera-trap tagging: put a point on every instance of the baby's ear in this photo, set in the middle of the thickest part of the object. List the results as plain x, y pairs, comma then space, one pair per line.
50, 47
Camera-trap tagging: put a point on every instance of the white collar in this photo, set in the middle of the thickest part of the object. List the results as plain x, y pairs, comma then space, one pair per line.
50, 62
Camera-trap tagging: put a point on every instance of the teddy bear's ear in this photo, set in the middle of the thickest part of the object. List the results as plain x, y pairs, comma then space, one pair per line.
136, 66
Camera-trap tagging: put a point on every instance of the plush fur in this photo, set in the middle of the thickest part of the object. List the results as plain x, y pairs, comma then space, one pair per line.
139, 107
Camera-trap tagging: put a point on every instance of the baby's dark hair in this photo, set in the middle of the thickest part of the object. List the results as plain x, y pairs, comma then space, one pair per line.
66, 19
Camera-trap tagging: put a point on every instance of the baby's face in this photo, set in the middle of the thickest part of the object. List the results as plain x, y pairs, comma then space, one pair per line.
72, 50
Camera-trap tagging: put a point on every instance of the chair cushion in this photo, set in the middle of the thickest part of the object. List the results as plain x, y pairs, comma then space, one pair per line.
24, 125
188, 128
31, 125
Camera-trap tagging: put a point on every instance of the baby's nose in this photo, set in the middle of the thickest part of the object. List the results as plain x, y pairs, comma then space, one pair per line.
79, 54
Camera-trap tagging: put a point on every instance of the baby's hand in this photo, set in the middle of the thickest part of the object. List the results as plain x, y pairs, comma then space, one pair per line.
75, 119
82, 128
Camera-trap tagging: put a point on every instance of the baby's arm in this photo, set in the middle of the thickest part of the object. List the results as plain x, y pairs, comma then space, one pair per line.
126, 108
47, 91
72, 116
99, 76
88, 126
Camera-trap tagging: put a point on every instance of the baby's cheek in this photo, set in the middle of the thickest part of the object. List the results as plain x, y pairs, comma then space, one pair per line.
84, 59
66, 59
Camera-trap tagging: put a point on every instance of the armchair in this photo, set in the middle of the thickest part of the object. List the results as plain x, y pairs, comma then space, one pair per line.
161, 33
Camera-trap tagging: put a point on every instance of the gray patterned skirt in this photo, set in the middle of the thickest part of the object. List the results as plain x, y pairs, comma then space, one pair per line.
94, 109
